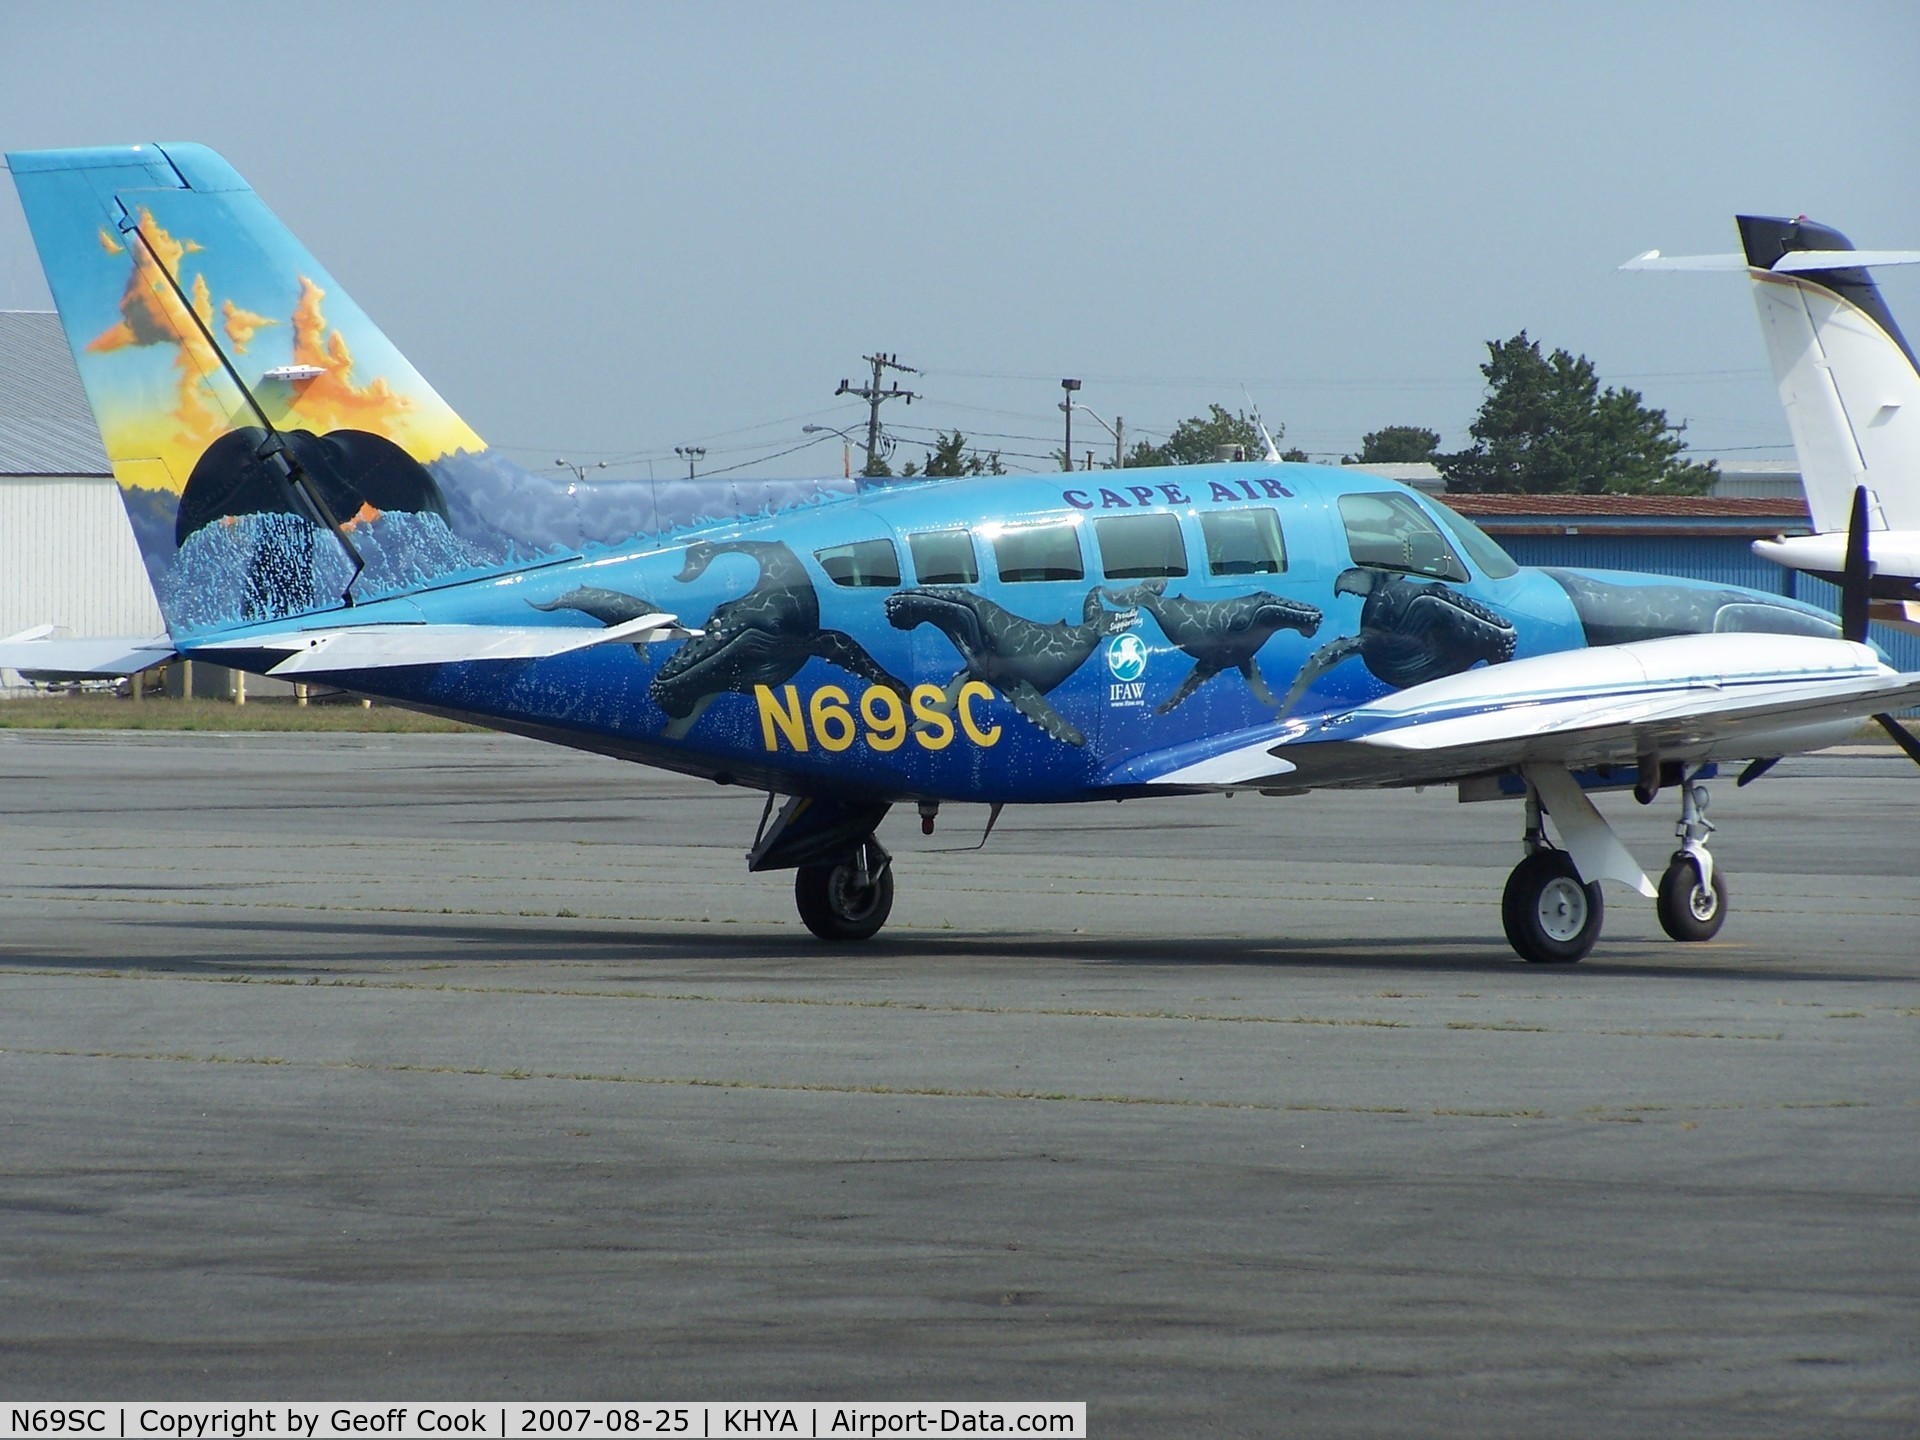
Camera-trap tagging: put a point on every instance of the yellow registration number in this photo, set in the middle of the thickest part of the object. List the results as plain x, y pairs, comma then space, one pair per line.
884, 721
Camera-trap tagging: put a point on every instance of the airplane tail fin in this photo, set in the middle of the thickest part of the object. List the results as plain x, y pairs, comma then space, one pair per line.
277, 455
1847, 376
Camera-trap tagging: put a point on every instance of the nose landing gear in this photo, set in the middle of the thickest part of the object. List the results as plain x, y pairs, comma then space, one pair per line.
1692, 904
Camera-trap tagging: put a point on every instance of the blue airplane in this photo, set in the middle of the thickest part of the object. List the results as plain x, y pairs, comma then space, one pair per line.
309, 508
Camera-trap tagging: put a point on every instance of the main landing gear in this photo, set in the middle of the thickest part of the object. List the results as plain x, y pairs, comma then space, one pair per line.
846, 899
843, 876
1552, 912
1549, 913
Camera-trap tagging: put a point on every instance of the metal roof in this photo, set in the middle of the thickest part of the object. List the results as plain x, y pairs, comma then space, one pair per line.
1564, 514
46, 425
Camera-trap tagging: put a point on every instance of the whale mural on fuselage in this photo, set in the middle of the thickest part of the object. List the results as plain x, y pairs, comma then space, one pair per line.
1023, 660
1411, 630
310, 509
1221, 634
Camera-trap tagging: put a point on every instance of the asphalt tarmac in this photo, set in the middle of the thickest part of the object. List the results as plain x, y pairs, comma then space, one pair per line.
449, 1067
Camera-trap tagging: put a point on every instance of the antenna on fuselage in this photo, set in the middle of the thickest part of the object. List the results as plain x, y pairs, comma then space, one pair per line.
1272, 457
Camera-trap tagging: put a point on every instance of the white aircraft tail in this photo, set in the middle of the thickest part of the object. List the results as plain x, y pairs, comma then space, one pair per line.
1848, 379
1846, 374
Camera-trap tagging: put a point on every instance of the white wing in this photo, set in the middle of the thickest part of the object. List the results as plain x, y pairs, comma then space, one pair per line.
1691, 697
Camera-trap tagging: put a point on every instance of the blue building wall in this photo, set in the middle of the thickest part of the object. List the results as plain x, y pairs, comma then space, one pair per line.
1726, 561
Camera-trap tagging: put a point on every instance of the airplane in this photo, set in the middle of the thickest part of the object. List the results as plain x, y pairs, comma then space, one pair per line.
1851, 389
310, 508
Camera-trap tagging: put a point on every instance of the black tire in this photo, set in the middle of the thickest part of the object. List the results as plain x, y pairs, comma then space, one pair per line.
1549, 916
1688, 910
835, 906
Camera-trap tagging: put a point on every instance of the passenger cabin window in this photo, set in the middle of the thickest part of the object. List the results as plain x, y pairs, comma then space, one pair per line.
1039, 552
1244, 542
944, 557
1389, 532
865, 563
1140, 547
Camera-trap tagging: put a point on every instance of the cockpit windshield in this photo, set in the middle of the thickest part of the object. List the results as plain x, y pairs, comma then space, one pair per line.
1481, 547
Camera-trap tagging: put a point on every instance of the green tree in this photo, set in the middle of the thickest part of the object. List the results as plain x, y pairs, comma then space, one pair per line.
950, 456
1395, 445
1195, 439
1547, 427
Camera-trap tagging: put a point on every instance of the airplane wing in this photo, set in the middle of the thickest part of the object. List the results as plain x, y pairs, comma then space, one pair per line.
41, 654
339, 648
1689, 697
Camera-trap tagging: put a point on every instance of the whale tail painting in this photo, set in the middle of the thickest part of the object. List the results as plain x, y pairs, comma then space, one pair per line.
277, 454
311, 509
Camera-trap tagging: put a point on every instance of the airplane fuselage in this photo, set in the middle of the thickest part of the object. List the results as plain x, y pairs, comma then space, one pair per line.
1019, 639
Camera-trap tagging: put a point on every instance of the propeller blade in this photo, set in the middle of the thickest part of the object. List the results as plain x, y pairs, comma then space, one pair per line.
1853, 579
1901, 736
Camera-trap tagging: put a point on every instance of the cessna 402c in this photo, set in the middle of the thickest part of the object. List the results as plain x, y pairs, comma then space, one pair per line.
309, 507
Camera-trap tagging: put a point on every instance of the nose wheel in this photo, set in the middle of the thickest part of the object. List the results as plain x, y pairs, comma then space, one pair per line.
1692, 904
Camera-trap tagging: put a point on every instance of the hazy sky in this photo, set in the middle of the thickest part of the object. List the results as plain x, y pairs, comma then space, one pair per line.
605, 230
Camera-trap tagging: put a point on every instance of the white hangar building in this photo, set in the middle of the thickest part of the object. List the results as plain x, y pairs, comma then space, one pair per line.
67, 552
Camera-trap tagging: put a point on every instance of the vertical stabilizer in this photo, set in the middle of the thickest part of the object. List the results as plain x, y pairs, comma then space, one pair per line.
1846, 374
277, 455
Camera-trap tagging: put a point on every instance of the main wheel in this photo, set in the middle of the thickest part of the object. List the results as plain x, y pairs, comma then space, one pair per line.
1549, 916
1689, 910
834, 905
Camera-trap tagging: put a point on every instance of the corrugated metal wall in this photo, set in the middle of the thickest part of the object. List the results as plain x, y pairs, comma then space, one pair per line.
67, 557
1723, 561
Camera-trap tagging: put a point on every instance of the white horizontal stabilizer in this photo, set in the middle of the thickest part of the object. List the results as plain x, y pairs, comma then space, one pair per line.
1654, 260
1793, 262
1844, 259
41, 651
381, 647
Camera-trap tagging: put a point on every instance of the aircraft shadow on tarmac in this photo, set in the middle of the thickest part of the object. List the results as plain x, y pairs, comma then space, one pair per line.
385, 943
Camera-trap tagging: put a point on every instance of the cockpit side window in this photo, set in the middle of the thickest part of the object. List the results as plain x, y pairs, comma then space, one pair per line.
1244, 541
1140, 547
1481, 547
1387, 531
863, 564
1039, 552
944, 557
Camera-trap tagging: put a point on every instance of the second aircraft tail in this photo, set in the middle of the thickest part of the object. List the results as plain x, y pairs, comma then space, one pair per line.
1847, 376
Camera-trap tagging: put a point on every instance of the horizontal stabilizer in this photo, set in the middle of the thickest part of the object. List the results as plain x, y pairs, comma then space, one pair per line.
1654, 260
1797, 261
1844, 259
338, 649
39, 652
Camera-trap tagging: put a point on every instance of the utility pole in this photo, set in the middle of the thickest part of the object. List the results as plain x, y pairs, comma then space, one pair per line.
873, 394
